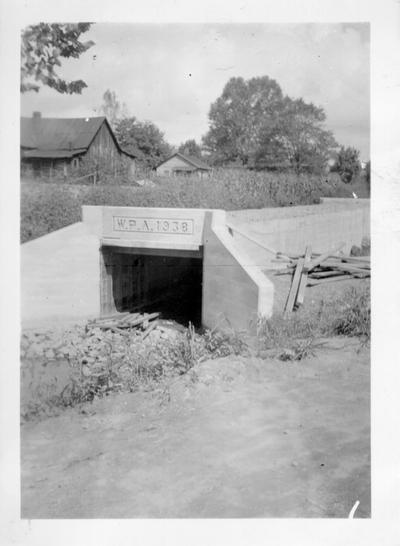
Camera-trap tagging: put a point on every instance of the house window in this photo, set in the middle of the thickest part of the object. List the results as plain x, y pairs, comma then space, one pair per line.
75, 162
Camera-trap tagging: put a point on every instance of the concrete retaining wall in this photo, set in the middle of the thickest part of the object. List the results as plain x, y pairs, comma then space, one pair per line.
290, 229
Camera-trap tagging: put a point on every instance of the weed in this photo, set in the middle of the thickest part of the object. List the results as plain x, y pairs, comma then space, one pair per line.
219, 343
349, 315
354, 315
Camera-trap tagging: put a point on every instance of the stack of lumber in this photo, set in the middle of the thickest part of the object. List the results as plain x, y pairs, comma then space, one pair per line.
123, 323
311, 269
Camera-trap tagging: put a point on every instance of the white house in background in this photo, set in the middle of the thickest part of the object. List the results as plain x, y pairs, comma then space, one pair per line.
180, 164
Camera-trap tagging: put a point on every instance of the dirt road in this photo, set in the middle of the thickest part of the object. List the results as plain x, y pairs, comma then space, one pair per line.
237, 437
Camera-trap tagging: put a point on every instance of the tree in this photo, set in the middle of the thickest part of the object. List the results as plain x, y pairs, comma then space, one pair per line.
236, 118
42, 46
295, 137
190, 148
348, 163
144, 139
255, 123
113, 109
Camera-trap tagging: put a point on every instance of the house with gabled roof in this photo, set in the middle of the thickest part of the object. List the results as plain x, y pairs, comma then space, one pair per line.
49, 144
181, 164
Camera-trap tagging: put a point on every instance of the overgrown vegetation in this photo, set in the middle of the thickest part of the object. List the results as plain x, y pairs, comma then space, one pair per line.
349, 314
97, 363
46, 207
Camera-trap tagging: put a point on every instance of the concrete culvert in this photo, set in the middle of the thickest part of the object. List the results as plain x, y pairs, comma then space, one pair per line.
168, 282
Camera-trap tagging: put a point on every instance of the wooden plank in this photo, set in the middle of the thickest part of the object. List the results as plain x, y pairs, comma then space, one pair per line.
130, 316
314, 282
294, 286
356, 258
350, 268
362, 275
323, 274
141, 319
332, 262
347, 258
304, 276
324, 257
149, 329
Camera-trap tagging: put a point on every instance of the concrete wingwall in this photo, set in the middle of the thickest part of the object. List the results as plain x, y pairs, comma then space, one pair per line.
263, 232
235, 292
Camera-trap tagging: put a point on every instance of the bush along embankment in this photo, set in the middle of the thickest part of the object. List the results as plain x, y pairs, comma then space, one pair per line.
46, 207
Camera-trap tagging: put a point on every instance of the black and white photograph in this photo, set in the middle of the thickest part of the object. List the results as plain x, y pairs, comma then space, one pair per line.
196, 224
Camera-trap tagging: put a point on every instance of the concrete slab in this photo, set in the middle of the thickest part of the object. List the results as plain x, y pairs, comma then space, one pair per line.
60, 277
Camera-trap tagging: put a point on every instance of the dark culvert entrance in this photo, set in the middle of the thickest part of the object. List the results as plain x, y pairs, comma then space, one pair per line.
149, 280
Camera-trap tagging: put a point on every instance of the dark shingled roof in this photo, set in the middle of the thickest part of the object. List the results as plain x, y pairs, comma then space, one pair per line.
193, 161
53, 154
60, 135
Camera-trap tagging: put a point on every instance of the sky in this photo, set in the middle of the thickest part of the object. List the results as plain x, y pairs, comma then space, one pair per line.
170, 74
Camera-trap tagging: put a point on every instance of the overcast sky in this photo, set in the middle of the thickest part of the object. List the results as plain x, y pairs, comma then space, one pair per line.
171, 73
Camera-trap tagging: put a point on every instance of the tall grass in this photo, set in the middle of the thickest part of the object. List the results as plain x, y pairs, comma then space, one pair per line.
348, 314
47, 207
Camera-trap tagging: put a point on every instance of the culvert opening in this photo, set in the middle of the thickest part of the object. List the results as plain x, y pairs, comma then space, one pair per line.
148, 280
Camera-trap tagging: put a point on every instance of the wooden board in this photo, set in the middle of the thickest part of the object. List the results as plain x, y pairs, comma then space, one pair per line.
294, 286
130, 316
366, 259
323, 274
333, 262
325, 256
314, 282
350, 268
304, 276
